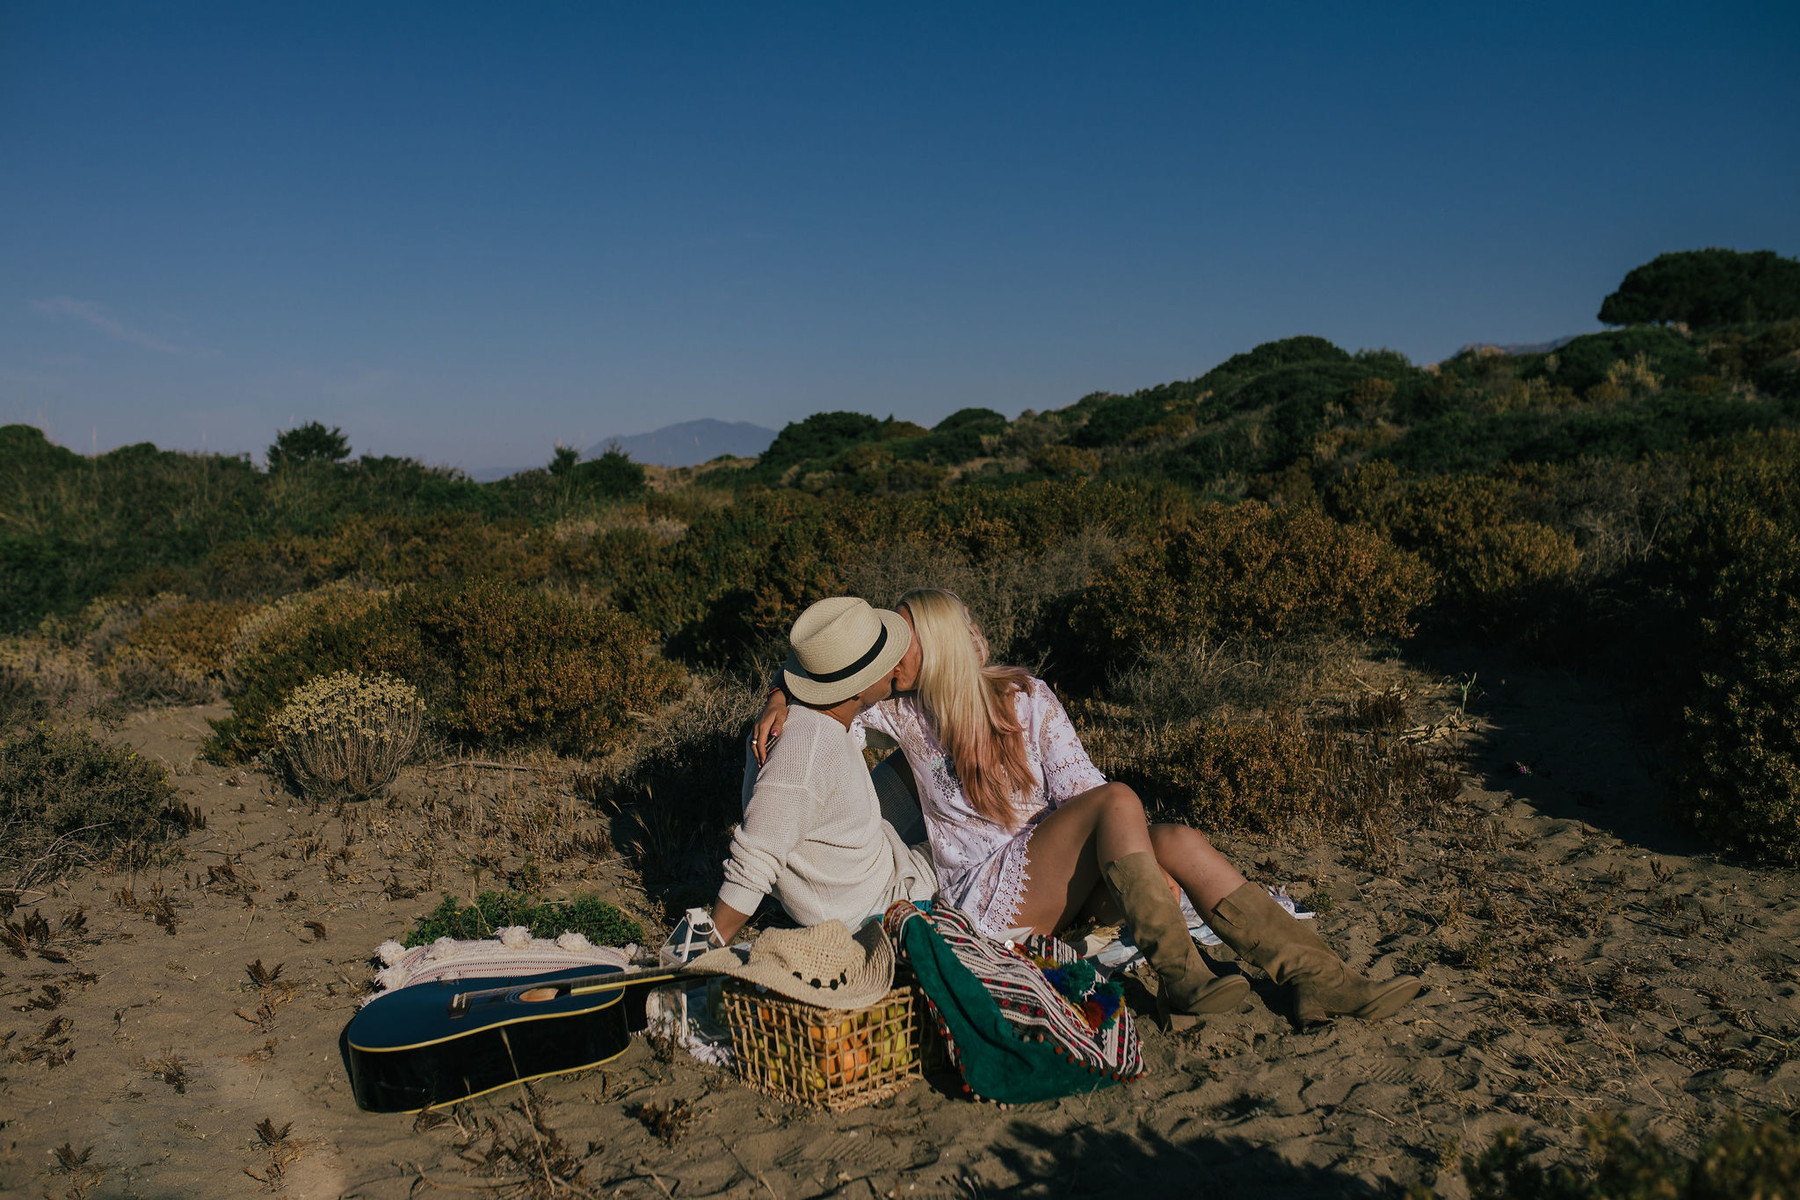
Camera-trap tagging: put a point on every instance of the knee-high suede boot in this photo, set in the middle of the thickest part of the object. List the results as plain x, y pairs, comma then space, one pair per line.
1262, 932
1188, 988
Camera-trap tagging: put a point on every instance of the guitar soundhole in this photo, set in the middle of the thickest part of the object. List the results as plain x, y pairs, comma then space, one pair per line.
537, 994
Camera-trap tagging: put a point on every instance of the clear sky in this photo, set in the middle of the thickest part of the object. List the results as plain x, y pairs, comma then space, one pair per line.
463, 232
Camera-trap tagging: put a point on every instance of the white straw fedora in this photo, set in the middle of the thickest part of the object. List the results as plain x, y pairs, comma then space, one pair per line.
841, 646
823, 964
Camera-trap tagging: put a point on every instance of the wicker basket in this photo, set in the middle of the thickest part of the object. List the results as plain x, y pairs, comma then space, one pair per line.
836, 1059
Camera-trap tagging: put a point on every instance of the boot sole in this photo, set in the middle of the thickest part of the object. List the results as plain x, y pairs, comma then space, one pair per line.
1395, 995
1226, 995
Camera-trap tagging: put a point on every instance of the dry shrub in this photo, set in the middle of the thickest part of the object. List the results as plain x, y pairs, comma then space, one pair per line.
67, 798
1495, 564
1249, 570
166, 649
1012, 595
440, 548
1250, 774
145, 676
276, 629
196, 632
1271, 773
1619, 513
497, 665
20, 701
1366, 396
344, 736
525, 667
1490, 558
45, 673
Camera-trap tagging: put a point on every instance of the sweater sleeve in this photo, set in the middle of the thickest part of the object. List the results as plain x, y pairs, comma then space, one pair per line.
775, 821
1068, 771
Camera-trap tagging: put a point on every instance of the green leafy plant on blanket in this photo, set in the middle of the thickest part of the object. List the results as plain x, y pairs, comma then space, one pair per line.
601, 923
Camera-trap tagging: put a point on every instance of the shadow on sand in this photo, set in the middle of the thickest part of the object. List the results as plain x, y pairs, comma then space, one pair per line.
1090, 1162
1564, 743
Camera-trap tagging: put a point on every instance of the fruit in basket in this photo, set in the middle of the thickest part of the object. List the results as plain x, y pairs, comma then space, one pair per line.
848, 1064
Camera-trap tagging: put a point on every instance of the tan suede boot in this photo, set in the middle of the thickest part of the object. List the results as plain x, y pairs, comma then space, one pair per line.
1261, 931
1157, 925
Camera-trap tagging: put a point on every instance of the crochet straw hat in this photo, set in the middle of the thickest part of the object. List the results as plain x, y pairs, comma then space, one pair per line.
823, 964
841, 646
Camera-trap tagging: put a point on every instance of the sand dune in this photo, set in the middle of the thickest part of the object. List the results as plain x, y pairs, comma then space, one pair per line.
1580, 959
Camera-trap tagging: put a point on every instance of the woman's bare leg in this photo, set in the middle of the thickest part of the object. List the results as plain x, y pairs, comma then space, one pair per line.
1203, 873
1068, 848
1069, 845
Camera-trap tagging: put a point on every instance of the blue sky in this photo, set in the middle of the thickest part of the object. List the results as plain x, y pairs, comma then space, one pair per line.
464, 232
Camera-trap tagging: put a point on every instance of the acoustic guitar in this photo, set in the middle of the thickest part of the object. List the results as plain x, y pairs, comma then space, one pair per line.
440, 1042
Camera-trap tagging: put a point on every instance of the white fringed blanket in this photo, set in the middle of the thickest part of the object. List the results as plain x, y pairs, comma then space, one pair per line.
513, 952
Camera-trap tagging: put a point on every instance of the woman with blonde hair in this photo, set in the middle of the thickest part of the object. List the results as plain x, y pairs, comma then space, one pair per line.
1026, 833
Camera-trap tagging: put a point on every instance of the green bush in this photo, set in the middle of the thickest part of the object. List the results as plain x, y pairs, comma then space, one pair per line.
1707, 287
1583, 362
593, 918
1063, 460
1738, 1162
1742, 766
64, 796
739, 576
821, 435
308, 443
497, 666
1248, 569
1490, 559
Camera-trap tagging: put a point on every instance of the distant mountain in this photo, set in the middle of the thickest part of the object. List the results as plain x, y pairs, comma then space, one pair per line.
1522, 347
692, 442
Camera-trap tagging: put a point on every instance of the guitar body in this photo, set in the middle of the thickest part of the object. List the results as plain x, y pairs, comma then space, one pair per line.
440, 1042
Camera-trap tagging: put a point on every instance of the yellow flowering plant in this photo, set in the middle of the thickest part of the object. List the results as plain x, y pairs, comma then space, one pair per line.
345, 736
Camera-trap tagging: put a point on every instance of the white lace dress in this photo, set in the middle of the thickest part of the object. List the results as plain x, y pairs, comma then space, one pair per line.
981, 865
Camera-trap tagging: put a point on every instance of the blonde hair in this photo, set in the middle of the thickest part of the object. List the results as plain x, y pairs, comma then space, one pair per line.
972, 705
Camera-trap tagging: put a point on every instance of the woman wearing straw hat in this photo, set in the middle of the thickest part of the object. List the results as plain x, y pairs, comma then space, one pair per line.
813, 832
1005, 783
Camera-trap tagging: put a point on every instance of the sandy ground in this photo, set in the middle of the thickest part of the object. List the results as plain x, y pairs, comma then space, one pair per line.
1580, 959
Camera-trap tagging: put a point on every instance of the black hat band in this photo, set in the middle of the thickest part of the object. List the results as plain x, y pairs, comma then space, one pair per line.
859, 664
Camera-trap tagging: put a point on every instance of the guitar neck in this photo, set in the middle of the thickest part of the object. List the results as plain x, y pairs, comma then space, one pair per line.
583, 985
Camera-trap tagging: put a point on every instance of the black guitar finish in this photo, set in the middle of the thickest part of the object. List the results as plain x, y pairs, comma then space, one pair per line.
437, 1043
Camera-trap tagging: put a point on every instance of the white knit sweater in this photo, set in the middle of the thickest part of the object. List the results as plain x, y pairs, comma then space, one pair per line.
813, 832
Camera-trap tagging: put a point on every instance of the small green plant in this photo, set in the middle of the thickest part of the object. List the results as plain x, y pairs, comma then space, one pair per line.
595, 919
345, 736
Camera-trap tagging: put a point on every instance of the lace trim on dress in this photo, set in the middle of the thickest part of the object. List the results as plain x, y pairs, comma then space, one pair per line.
1002, 912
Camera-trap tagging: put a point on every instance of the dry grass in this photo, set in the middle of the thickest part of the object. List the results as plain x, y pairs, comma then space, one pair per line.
1213, 677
